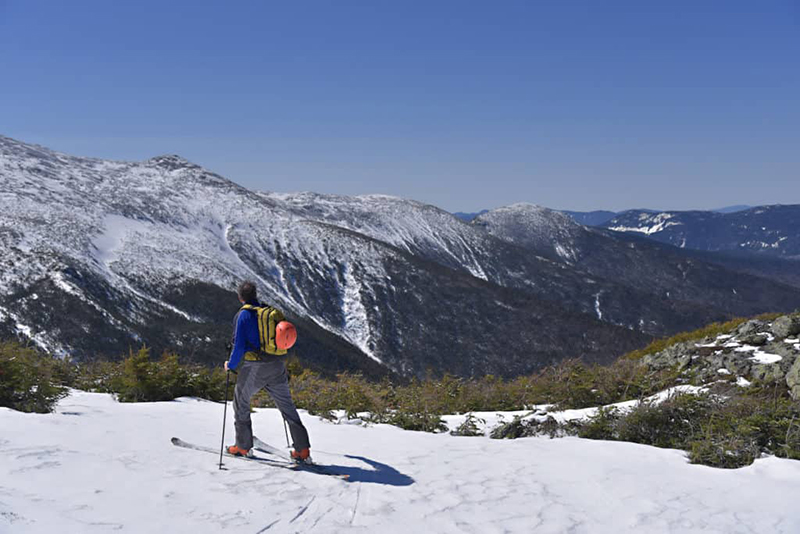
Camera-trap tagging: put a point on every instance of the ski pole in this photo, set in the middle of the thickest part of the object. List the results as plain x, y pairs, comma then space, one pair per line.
286, 430
224, 416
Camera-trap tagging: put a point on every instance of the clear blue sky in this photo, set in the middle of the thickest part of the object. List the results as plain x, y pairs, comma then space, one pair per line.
466, 105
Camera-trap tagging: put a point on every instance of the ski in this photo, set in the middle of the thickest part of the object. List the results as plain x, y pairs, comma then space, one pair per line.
315, 468
268, 461
269, 449
283, 463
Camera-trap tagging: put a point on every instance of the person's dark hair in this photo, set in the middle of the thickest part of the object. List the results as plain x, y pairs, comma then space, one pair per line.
247, 291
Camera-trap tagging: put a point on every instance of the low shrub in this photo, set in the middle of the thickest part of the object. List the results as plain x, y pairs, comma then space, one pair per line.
30, 381
726, 451
574, 384
419, 421
600, 426
523, 426
470, 427
139, 379
726, 432
668, 424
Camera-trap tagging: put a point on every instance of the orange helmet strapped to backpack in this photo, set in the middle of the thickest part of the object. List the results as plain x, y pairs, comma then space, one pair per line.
285, 335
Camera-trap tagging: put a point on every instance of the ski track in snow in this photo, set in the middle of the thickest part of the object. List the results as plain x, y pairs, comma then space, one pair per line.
100, 466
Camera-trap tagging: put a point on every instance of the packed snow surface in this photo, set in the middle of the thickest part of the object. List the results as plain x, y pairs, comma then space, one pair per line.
100, 466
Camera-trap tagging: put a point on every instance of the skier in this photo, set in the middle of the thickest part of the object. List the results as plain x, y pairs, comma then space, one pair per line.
256, 370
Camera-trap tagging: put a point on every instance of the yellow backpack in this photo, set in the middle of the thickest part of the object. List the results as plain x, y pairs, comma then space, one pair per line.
268, 319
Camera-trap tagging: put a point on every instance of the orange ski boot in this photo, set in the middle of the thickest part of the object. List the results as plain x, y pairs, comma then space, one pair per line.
302, 456
233, 450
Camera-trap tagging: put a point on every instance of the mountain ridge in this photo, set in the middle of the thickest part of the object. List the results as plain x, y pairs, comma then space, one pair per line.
767, 230
104, 255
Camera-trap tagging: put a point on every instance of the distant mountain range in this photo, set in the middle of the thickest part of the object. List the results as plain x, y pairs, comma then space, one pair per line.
599, 217
765, 230
591, 218
468, 216
732, 209
100, 256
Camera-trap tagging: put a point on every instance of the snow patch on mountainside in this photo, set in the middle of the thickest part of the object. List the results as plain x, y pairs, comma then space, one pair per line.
41, 339
650, 224
409, 225
116, 230
597, 307
759, 356
356, 327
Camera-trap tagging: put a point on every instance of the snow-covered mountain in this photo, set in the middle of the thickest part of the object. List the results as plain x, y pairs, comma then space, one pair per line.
549, 232
600, 217
667, 274
765, 230
99, 256
636, 283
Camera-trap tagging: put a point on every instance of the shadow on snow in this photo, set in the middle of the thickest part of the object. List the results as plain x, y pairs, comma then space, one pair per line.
379, 474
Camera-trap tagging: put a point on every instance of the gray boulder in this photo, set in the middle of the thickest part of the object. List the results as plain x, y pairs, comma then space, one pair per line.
786, 326
737, 364
679, 355
767, 372
787, 352
754, 339
793, 379
751, 327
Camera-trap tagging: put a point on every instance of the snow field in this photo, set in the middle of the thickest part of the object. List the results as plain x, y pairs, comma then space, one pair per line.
100, 466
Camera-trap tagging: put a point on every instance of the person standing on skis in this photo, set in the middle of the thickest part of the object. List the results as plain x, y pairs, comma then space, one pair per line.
260, 363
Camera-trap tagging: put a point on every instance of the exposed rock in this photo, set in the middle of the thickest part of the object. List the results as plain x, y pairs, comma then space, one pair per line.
751, 327
768, 372
737, 365
793, 379
704, 359
786, 326
787, 352
755, 339
680, 355
706, 351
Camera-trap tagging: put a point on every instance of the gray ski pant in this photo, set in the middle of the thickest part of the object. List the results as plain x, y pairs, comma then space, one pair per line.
270, 375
